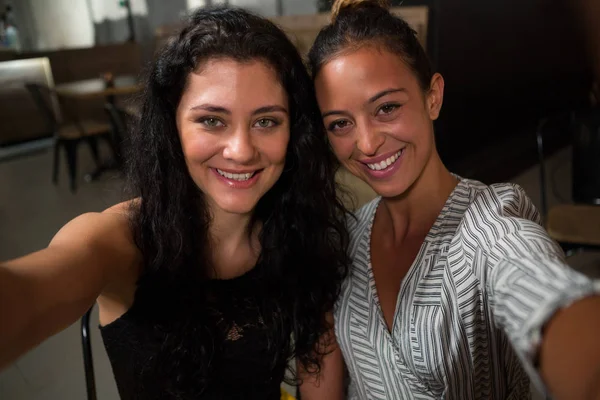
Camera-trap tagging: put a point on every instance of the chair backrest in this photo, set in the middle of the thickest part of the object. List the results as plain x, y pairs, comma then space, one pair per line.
539, 134
117, 119
45, 100
88, 360
581, 129
20, 119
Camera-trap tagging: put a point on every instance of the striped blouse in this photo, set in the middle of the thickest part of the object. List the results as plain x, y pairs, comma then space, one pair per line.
470, 309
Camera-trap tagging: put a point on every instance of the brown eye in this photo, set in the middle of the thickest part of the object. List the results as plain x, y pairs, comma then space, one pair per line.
388, 108
338, 124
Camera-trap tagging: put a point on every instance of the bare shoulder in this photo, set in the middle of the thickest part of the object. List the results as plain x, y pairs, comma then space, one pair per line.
95, 227
107, 234
124, 209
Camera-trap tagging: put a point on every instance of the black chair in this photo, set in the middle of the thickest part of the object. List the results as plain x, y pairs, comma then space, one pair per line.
68, 135
120, 120
88, 361
575, 226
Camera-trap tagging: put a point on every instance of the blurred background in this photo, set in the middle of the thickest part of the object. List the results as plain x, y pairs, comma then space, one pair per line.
521, 105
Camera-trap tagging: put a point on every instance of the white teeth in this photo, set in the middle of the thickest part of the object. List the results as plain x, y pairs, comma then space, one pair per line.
236, 177
385, 163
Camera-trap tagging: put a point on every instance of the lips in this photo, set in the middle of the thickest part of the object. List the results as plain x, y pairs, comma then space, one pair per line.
384, 166
237, 179
238, 176
386, 163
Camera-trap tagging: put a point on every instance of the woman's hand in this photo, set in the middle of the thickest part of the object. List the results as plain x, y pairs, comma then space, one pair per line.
570, 352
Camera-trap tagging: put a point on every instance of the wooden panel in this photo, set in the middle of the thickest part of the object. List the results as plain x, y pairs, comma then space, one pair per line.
72, 65
7, 54
76, 64
96, 88
589, 14
303, 29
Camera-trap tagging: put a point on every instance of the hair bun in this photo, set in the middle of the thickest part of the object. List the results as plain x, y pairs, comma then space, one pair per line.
339, 5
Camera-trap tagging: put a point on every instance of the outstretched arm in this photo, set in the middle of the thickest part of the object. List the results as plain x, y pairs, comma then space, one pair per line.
46, 291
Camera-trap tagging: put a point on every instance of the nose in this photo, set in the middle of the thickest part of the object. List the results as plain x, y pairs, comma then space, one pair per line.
369, 139
239, 147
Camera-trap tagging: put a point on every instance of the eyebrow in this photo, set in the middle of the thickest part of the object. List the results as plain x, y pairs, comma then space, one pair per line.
268, 109
371, 100
211, 108
385, 93
223, 110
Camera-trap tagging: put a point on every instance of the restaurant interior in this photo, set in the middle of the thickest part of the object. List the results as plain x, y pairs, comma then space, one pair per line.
522, 104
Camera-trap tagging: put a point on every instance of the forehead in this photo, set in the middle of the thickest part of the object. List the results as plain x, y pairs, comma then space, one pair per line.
363, 73
229, 82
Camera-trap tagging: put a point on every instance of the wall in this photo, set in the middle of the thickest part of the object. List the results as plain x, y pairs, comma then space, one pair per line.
264, 7
60, 24
295, 7
507, 64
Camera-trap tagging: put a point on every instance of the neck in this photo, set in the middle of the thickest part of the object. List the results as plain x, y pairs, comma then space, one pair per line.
234, 249
413, 213
228, 227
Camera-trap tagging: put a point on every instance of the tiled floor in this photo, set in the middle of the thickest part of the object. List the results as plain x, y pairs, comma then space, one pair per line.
32, 210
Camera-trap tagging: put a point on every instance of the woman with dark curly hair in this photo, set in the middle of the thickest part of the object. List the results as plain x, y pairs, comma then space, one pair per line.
223, 267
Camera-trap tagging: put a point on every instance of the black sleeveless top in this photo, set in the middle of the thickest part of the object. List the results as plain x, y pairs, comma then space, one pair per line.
241, 358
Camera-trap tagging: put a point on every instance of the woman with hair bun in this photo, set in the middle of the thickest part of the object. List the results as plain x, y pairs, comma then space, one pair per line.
456, 291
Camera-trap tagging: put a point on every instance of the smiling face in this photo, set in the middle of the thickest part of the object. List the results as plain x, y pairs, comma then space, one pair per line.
378, 118
234, 128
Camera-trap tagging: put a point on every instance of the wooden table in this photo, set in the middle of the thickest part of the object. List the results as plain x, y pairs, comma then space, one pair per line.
95, 88
575, 223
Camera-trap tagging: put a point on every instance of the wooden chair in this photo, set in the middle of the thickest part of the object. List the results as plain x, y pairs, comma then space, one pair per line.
68, 135
575, 226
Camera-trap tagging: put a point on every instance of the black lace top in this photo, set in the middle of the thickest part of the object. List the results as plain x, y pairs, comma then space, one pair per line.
241, 358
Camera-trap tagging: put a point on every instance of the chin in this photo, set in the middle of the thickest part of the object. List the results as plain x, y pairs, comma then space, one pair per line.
388, 192
390, 189
237, 207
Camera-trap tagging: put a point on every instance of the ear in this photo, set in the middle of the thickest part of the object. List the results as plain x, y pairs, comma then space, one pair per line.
435, 96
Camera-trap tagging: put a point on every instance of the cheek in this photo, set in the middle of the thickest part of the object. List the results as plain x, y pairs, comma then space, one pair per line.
275, 147
411, 127
197, 147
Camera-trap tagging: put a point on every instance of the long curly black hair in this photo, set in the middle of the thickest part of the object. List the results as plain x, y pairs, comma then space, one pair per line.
303, 237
